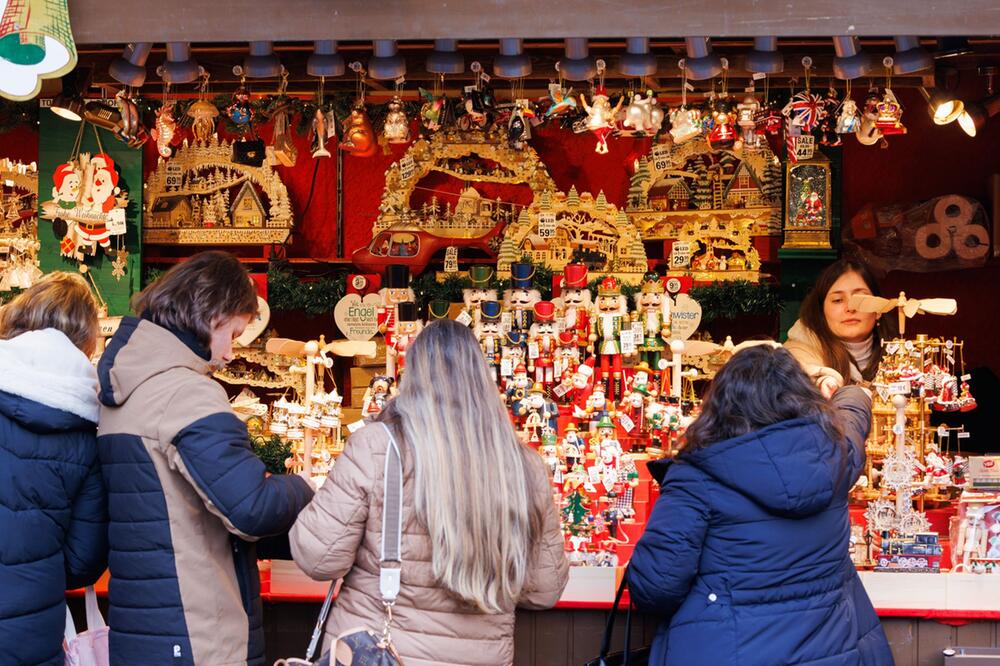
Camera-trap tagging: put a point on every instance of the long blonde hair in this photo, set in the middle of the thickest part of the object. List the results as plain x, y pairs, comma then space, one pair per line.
60, 300
472, 491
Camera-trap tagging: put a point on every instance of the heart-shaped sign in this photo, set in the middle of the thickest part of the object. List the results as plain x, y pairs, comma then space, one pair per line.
256, 325
685, 315
356, 317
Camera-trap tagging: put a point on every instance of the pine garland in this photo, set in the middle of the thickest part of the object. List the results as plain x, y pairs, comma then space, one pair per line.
272, 451
286, 292
736, 298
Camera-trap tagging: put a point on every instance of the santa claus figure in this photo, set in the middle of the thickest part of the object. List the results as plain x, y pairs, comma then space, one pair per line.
601, 117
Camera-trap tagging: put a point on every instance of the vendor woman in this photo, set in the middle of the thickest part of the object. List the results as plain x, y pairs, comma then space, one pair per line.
834, 343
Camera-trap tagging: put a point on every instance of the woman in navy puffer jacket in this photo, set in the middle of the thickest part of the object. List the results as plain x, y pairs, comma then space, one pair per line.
53, 509
746, 552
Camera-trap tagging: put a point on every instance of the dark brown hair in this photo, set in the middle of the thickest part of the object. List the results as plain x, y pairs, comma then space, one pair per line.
759, 386
835, 354
62, 301
196, 295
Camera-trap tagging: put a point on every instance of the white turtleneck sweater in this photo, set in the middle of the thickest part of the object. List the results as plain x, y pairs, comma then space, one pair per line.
861, 352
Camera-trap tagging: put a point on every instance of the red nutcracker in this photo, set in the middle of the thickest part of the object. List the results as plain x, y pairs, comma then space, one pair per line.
610, 317
397, 290
408, 326
542, 343
575, 304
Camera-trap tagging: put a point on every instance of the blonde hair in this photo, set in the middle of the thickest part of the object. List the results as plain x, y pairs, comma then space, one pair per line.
62, 301
472, 491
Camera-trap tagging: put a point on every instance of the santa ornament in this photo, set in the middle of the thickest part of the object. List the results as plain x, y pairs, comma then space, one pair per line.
600, 117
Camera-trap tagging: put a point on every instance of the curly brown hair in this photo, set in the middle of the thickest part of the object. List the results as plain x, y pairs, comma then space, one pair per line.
197, 294
60, 300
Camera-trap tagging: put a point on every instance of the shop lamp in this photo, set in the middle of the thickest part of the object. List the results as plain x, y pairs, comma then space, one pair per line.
511, 63
910, 57
325, 61
577, 65
701, 63
943, 106
765, 57
445, 58
851, 62
386, 63
637, 61
261, 63
68, 104
130, 68
179, 67
977, 114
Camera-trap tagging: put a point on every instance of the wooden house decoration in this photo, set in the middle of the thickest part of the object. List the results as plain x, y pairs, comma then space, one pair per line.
743, 190
679, 196
247, 209
170, 211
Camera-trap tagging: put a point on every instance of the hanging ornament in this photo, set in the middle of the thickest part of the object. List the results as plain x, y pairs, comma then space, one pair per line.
203, 113
685, 122
431, 111
889, 112
746, 120
848, 120
562, 100
130, 128
477, 101
804, 110
164, 129
643, 114
868, 133
519, 127
359, 137
723, 132
397, 126
600, 114
323, 124
240, 111
828, 124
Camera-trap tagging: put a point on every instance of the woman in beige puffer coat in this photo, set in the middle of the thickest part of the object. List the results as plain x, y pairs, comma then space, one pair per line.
481, 535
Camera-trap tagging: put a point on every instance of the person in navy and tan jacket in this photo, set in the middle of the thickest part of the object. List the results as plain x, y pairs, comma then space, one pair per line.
187, 495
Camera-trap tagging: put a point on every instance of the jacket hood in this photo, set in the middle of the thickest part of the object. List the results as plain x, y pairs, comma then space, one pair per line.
47, 384
139, 351
791, 468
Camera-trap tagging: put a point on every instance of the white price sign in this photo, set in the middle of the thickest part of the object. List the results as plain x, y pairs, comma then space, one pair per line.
805, 147
661, 157
174, 175
680, 254
451, 259
546, 225
627, 341
116, 222
407, 167
899, 388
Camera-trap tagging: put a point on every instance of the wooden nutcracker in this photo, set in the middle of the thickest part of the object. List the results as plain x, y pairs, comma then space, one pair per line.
397, 290
575, 306
653, 311
542, 343
408, 327
520, 299
480, 276
610, 317
489, 335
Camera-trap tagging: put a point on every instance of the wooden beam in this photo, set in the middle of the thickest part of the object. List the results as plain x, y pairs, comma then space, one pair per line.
112, 21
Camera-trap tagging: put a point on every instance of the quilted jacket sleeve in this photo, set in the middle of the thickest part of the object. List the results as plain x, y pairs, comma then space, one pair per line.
85, 551
665, 560
326, 537
205, 441
854, 410
548, 567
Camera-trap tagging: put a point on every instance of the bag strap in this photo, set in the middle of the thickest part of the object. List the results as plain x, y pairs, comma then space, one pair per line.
94, 618
392, 536
609, 627
392, 522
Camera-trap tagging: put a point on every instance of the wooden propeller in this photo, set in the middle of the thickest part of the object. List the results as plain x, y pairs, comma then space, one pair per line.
906, 307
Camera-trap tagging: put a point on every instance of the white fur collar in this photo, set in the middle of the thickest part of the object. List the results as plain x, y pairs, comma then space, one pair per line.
44, 366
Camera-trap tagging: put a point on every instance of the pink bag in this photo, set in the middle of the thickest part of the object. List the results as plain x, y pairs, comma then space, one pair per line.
89, 647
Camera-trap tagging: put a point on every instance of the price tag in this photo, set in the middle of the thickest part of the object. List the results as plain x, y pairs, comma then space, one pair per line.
660, 157
688, 86
546, 225
627, 423
966, 378
505, 320
627, 341
589, 487
465, 319
469, 89
532, 350
506, 367
116, 222
638, 332
594, 474
400, 81
805, 147
899, 388
356, 426
451, 259
407, 167
485, 77
560, 390
757, 76
557, 476
680, 254
964, 435
8, 182
673, 285
174, 175
749, 89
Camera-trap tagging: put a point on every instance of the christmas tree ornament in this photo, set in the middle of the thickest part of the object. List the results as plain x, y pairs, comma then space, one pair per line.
358, 135
164, 129
804, 111
685, 123
848, 121
562, 100
643, 114
746, 120
889, 113
600, 114
722, 134
868, 133
130, 128
518, 126
240, 111
432, 110
397, 125
828, 124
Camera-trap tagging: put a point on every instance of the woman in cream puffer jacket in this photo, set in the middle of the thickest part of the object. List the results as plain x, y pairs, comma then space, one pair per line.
339, 534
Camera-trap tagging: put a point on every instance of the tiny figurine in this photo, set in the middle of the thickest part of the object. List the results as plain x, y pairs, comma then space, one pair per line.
600, 117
